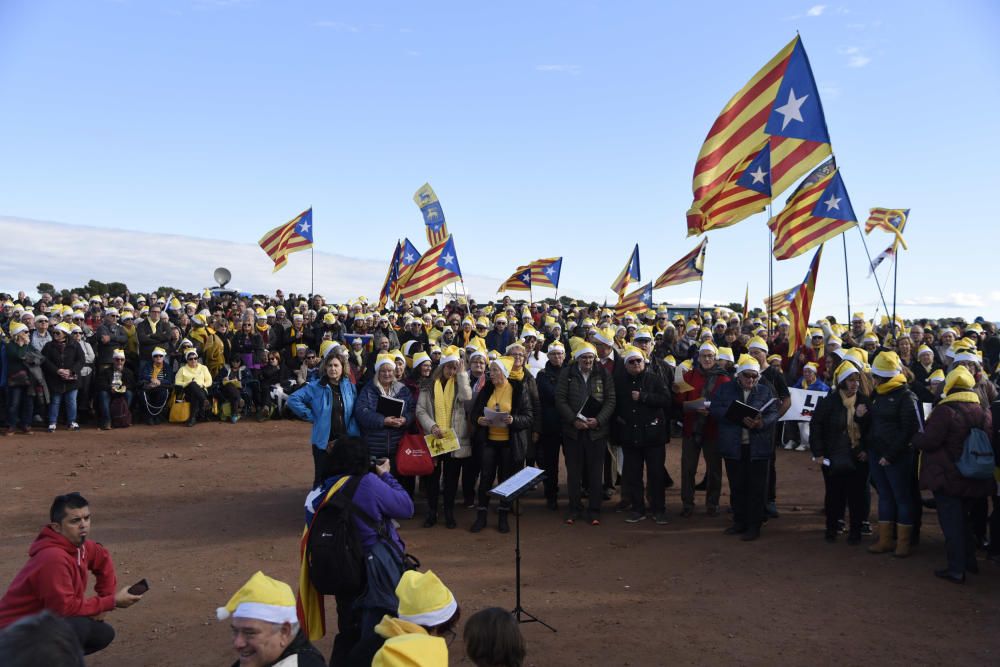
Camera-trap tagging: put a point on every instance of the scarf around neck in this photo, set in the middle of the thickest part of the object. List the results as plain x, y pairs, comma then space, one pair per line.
444, 402
891, 384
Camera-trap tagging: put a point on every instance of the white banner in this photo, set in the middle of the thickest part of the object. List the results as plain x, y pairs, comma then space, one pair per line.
803, 404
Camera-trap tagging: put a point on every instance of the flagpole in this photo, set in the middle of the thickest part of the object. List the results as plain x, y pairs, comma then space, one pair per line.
895, 276
312, 265
869, 255
770, 273
701, 283
847, 279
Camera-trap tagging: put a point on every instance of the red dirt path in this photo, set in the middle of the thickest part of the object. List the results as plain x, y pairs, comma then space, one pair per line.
231, 503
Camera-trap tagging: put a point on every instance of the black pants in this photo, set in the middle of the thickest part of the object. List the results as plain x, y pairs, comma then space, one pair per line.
94, 635
652, 458
994, 547
497, 463
449, 467
197, 396
959, 543
550, 446
577, 451
348, 629
846, 490
319, 461
747, 488
470, 474
772, 471
691, 446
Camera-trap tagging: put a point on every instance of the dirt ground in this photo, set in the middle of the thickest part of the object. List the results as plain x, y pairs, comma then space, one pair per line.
230, 503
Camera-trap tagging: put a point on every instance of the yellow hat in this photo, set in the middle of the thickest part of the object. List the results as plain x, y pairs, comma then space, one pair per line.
583, 347
857, 356
834, 342
158, 352
812, 365
450, 353
966, 354
886, 364
869, 338
418, 358
669, 359
937, 375
261, 598
384, 360
747, 363
758, 343
397, 355
65, 327
632, 352
858, 317
923, 349
412, 650
120, 354
959, 379
726, 354
845, 370
708, 347
505, 364
644, 333
605, 335
687, 364
529, 331
325, 347
556, 345
423, 599
329, 318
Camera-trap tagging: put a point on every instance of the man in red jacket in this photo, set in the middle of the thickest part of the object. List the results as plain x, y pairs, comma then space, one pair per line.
55, 577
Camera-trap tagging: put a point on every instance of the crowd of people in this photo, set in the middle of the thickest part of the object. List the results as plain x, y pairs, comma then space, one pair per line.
589, 395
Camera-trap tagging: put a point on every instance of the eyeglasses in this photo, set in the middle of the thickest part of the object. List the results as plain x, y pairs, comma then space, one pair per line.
632, 362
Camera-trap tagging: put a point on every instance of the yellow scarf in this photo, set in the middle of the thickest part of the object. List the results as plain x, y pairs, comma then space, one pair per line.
516, 374
262, 328
853, 432
892, 384
444, 402
157, 369
501, 400
961, 397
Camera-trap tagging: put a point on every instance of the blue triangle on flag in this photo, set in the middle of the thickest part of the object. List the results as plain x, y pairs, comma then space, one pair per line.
797, 112
834, 202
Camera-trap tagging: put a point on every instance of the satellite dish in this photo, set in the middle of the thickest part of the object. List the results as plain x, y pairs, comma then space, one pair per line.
222, 276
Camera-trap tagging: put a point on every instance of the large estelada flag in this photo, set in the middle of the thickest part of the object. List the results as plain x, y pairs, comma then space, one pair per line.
819, 210
767, 136
687, 269
779, 300
892, 220
545, 272
435, 269
430, 208
404, 256
636, 302
801, 304
283, 240
520, 280
629, 273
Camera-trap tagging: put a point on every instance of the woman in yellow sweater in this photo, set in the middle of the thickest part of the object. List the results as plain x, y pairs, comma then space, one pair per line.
195, 380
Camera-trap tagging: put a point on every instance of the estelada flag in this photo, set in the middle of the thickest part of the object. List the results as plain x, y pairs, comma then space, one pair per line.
435, 269
545, 272
767, 136
819, 210
636, 302
628, 274
801, 304
283, 240
520, 280
892, 220
687, 269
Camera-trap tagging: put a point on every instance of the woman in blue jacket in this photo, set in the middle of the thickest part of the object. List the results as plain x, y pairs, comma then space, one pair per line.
328, 403
746, 445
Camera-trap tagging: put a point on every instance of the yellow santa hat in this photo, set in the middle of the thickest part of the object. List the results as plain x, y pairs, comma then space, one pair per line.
886, 364
583, 347
959, 379
758, 343
505, 364
450, 353
812, 366
412, 650
632, 352
261, 598
384, 360
605, 335
325, 347
747, 363
423, 599
17, 327
556, 345
845, 370
726, 354
418, 358
708, 346
937, 375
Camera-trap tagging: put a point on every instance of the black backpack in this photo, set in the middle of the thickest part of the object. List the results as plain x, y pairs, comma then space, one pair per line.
335, 556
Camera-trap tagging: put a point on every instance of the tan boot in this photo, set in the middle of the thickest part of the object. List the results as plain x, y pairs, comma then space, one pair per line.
903, 533
884, 544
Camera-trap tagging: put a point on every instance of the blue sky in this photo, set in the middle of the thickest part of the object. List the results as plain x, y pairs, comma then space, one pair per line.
546, 128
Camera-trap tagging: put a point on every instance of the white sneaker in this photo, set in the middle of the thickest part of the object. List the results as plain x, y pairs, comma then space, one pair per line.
73, 426
52, 428
789, 446
802, 448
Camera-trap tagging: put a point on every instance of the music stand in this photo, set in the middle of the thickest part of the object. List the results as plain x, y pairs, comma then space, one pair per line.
512, 489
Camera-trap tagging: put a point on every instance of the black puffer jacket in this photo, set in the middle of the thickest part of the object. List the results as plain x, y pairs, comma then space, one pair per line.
546, 380
893, 424
56, 356
572, 393
641, 423
828, 437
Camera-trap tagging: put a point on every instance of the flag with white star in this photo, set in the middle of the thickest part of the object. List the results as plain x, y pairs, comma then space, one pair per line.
435, 269
545, 272
687, 269
636, 302
430, 208
283, 240
519, 281
815, 213
628, 274
780, 109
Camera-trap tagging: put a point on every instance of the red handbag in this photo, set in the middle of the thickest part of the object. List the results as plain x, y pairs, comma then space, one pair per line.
413, 458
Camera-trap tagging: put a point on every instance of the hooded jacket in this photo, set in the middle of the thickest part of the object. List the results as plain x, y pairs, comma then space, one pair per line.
55, 578
314, 403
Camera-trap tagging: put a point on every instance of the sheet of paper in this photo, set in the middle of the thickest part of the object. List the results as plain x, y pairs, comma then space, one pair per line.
447, 443
516, 482
496, 418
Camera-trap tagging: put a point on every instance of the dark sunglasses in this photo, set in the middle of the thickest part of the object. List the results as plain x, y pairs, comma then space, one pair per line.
633, 362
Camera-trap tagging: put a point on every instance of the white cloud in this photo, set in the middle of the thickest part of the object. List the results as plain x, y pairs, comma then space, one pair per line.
858, 61
339, 26
567, 69
816, 10
855, 56
829, 90
71, 255
951, 300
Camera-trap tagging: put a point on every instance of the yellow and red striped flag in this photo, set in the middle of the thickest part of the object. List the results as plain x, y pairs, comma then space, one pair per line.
891, 220
628, 274
687, 269
283, 240
801, 304
637, 302
819, 210
436, 268
746, 303
780, 300
767, 136
545, 272
520, 280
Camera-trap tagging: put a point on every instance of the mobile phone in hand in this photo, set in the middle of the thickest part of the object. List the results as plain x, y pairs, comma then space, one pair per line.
139, 587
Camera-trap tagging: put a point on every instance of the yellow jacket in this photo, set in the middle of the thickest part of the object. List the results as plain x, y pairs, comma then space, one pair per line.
199, 375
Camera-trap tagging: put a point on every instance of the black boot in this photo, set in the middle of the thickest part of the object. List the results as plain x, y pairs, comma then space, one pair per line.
449, 517
480, 521
502, 524
432, 518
